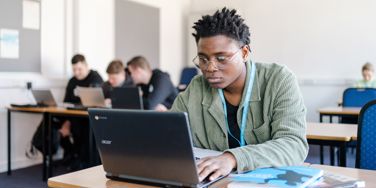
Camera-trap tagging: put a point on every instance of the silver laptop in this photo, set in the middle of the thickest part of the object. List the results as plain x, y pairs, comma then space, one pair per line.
146, 147
44, 97
91, 96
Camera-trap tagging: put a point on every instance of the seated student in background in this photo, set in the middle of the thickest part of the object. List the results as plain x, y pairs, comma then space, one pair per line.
75, 127
368, 80
158, 91
253, 112
72, 133
118, 76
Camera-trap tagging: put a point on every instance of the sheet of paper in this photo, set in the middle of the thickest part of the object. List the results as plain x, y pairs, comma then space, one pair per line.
31, 14
9, 43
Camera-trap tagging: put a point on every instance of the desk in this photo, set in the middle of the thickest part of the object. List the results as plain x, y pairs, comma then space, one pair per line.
338, 111
332, 134
48, 113
95, 177
366, 175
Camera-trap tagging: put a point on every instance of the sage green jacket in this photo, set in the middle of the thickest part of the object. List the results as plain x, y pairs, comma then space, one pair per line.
276, 126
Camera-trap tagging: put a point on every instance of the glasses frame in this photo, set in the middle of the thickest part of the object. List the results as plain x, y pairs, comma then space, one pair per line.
220, 64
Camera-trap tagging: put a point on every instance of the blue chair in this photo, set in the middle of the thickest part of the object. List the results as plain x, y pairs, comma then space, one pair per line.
366, 147
358, 97
186, 76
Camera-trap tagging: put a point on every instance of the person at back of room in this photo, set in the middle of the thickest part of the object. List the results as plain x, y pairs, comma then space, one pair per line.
118, 76
368, 80
76, 128
158, 90
72, 133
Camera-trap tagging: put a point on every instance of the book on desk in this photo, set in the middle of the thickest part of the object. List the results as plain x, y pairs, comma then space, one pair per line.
289, 176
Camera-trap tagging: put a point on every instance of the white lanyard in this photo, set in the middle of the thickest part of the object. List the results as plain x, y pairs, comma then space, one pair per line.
245, 106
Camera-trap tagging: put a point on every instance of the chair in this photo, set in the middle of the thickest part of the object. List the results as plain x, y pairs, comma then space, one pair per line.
366, 147
358, 97
186, 76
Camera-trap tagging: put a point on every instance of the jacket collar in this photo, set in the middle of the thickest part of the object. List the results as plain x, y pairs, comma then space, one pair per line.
213, 100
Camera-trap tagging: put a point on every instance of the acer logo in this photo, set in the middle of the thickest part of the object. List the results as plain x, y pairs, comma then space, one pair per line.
107, 142
99, 117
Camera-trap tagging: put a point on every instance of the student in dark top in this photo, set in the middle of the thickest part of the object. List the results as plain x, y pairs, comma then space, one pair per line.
72, 129
83, 77
118, 76
158, 91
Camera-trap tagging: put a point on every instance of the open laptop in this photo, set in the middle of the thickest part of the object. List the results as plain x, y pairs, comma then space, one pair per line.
91, 96
126, 98
146, 146
44, 98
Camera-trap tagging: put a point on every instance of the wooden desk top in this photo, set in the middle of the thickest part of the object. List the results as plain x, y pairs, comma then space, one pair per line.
339, 111
95, 177
91, 177
64, 111
367, 175
332, 131
55, 110
28, 109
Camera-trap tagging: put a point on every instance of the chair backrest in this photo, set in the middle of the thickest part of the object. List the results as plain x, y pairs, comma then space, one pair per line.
358, 97
366, 140
187, 74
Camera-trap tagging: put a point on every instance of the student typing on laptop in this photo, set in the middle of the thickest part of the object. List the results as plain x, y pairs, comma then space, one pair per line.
83, 77
73, 127
158, 90
253, 112
118, 76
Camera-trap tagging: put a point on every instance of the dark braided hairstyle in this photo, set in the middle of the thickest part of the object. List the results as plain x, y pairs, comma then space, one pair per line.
223, 22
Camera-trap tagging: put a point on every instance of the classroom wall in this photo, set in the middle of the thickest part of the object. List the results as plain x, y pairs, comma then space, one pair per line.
173, 20
13, 86
324, 42
95, 33
84, 26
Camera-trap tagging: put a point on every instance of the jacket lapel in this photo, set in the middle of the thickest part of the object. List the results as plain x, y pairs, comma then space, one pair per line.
215, 109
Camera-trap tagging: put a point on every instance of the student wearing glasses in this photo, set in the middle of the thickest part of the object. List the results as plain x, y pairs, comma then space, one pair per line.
253, 112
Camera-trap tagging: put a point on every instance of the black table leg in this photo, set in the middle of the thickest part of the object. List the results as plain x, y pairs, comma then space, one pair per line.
330, 119
321, 154
342, 153
91, 147
321, 146
331, 155
44, 129
49, 146
9, 172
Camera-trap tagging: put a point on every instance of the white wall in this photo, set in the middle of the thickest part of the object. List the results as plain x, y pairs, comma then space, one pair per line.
94, 32
324, 42
79, 26
13, 86
173, 16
